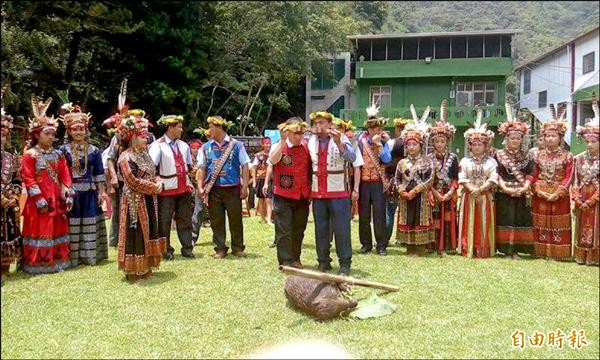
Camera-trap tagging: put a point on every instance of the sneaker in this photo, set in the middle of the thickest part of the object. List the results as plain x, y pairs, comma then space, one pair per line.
382, 252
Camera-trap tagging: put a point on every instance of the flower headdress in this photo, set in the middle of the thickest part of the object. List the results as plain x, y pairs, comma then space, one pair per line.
295, 127
218, 120
479, 132
320, 114
168, 120
201, 131
511, 124
373, 118
442, 127
400, 121
417, 129
131, 126
346, 125
591, 129
40, 120
557, 124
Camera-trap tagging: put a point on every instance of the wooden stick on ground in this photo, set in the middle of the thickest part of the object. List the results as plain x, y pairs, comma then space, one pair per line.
330, 278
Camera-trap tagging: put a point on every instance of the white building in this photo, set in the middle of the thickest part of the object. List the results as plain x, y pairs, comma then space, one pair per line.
567, 75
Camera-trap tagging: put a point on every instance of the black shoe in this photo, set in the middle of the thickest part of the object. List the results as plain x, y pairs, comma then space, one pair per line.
189, 255
324, 267
344, 270
169, 256
365, 250
382, 252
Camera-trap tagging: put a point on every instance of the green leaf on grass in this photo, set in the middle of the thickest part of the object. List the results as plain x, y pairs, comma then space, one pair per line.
373, 307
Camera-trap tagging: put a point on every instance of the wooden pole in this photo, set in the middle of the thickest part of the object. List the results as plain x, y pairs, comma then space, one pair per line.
330, 278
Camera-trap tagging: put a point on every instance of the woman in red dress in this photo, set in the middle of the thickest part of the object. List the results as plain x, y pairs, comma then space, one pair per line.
552, 174
585, 193
46, 176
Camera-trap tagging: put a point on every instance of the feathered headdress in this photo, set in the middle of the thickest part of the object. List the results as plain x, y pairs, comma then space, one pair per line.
113, 121
591, 129
442, 127
417, 129
373, 118
511, 124
40, 120
7, 120
131, 126
218, 120
557, 124
168, 120
71, 115
479, 132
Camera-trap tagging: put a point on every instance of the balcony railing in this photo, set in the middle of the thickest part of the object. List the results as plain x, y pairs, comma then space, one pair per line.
493, 115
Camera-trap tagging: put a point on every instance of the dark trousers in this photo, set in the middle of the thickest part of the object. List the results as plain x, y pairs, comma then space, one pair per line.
180, 207
223, 199
371, 196
336, 211
391, 204
291, 217
197, 217
115, 203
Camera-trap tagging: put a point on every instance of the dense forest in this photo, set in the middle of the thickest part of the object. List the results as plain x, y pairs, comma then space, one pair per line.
244, 60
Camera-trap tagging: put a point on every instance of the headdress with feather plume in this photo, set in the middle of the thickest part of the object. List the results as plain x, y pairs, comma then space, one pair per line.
7, 120
417, 129
373, 118
479, 132
71, 115
442, 127
512, 124
113, 121
40, 120
591, 129
557, 124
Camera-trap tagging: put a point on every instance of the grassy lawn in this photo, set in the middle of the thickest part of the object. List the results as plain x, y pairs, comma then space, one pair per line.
448, 307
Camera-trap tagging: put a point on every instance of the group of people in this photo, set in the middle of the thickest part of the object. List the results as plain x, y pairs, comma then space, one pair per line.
512, 200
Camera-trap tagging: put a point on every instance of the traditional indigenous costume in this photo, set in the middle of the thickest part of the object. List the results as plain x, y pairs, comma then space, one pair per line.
445, 182
10, 242
477, 218
514, 231
223, 162
396, 147
415, 173
331, 196
173, 160
140, 244
374, 185
586, 191
552, 174
46, 176
260, 166
291, 188
198, 204
87, 227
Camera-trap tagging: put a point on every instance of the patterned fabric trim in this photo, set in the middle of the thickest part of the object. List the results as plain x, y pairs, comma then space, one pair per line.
83, 221
84, 186
41, 203
99, 178
46, 269
43, 243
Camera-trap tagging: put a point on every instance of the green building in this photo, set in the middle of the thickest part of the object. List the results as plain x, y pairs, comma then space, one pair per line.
468, 68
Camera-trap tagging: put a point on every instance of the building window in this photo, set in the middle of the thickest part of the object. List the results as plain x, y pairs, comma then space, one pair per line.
542, 99
442, 48
588, 62
381, 96
585, 112
492, 46
425, 48
379, 49
475, 47
459, 47
411, 47
476, 93
526, 81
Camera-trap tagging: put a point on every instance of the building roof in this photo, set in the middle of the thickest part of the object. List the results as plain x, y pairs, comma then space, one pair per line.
433, 34
565, 44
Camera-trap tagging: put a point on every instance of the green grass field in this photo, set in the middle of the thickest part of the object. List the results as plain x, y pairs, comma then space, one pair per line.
448, 307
